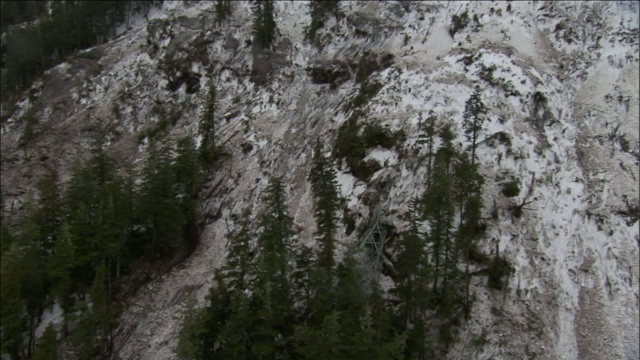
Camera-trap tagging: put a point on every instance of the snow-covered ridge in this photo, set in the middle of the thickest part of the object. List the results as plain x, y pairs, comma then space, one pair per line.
574, 291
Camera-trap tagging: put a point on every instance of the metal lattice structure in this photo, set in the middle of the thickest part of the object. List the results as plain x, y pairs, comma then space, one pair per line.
374, 238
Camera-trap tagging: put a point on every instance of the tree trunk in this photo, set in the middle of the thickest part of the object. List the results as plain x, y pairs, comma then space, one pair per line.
109, 328
31, 343
473, 148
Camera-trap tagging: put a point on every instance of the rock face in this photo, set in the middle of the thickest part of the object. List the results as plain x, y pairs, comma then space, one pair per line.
560, 80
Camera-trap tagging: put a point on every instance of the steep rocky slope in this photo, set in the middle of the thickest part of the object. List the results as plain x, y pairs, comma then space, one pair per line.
564, 89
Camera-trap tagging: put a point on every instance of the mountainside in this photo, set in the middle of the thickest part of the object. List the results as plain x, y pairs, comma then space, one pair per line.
560, 81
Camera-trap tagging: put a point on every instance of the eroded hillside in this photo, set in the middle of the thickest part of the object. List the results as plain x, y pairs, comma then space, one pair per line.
560, 81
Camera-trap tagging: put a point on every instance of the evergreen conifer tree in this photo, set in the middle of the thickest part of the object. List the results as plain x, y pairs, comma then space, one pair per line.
276, 240
301, 279
273, 293
440, 212
12, 320
188, 174
60, 269
100, 303
318, 12
47, 348
468, 195
207, 129
34, 282
474, 111
163, 219
324, 187
223, 10
239, 263
195, 329
6, 237
187, 169
426, 138
412, 287
325, 193
48, 214
236, 336
321, 342
264, 25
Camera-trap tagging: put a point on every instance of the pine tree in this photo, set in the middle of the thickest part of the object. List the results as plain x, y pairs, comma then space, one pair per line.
439, 208
81, 231
264, 25
302, 282
34, 283
239, 263
364, 323
318, 12
276, 240
384, 341
223, 10
100, 300
111, 233
207, 129
47, 348
48, 214
187, 169
6, 237
426, 138
324, 187
440, 212
236, 336
61, 267
129, 213
322, 342
84, 332
193, 331
412, 279
273, 294
12, 320
188, 181
202, 334
468, 195
351, 298
474, 111
162, 219
29, 131
97, 222
101, 166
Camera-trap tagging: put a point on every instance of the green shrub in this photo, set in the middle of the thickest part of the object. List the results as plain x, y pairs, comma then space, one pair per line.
511, 189
364, 170
319, 13
516, 211
480, 341
486, 74
351, 145
367, 91
539, 99
477, 256
162, 126
376, 135
370, 63
468, 59
499, 268
494, 213
458, 22
503, 138
446, 335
